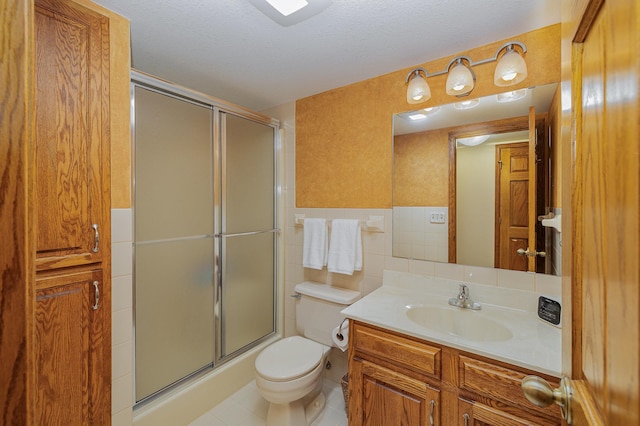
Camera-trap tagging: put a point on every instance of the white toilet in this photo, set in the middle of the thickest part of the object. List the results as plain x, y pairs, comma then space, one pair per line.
289, 372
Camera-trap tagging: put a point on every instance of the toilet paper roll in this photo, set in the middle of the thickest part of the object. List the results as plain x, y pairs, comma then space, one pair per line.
340, 336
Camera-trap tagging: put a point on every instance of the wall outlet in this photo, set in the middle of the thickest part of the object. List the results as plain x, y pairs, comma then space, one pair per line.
437, 217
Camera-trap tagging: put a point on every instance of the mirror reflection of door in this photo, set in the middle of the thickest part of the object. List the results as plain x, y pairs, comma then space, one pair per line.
499, 199
512, 206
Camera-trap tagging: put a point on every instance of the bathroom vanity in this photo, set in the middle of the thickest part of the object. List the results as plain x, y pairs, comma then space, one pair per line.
415, 360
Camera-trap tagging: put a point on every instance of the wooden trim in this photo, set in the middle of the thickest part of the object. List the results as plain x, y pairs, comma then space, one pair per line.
531, 261
589, 15
496, 207
17, 380
576, 213
453, 180
583, 405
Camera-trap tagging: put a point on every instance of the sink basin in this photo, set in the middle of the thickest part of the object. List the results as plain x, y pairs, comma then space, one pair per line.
464, 323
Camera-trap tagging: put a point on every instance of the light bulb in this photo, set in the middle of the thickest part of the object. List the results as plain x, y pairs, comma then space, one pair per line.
460, 80
511, 69
418, 90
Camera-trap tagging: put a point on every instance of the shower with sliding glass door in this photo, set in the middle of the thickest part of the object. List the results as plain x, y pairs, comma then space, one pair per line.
205, 232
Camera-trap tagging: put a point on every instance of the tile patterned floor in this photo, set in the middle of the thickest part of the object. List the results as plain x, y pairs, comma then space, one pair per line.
247, 408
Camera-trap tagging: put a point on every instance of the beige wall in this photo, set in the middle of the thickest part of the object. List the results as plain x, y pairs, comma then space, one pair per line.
344, 136
475, 193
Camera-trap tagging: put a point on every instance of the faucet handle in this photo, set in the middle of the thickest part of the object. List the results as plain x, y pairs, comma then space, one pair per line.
464, 292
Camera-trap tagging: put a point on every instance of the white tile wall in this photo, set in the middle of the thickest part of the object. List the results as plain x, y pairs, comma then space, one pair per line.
417, 237
122, 317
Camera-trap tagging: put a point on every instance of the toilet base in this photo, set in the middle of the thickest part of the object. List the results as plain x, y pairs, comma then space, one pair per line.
295, 413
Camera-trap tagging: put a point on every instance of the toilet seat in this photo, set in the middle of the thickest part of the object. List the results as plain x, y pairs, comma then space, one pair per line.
289, 359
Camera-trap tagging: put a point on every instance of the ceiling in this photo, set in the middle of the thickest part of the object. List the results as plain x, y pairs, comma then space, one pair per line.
231, 50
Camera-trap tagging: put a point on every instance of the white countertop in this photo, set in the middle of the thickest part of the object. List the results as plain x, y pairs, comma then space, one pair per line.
535, 344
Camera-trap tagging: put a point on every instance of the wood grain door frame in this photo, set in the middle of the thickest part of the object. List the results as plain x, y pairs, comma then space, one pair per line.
17, 378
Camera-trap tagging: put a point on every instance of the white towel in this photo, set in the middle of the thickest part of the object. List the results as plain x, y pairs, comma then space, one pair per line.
314, 246
345, 247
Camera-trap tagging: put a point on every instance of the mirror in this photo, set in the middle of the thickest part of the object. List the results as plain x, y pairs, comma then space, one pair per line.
480, 149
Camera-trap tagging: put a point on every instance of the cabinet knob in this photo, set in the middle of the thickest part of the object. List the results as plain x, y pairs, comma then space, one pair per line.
540, 393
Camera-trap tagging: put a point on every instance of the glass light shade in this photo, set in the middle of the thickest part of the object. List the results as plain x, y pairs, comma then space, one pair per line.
468, 104
511, 96
511, 69
460, 80
473, 140
418, 90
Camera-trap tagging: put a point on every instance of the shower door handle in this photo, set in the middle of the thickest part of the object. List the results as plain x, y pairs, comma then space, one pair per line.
240, 234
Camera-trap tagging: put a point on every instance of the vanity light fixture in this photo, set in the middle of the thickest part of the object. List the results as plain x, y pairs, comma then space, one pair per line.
420, 114
418, 90
461, 79
514, 95
417, 116
468, 104
511, 69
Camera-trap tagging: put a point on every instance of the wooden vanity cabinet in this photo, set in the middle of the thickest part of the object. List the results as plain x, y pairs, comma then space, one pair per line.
72, 318
401, 380
392, 379
383, 397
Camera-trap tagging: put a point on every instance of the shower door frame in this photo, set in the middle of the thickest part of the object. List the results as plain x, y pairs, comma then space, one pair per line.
217, 107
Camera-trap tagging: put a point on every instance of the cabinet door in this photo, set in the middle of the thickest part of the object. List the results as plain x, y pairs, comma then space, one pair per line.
385, 397
72, 349
71, 134
477, 414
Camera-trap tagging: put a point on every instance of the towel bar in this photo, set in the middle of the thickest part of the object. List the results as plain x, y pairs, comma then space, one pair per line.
371, 223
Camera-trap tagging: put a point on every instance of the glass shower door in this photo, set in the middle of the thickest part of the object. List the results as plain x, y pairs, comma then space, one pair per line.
247, 239
174, 245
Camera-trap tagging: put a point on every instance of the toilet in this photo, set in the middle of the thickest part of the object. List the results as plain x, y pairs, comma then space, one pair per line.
289, 372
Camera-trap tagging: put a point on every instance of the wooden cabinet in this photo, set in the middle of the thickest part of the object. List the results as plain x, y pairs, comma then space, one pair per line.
384, 397
388, 379
72, 210
477, 414
71, 134
399, 379
73, 374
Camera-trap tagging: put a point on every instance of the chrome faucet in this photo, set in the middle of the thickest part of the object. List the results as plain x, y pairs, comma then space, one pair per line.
463, 300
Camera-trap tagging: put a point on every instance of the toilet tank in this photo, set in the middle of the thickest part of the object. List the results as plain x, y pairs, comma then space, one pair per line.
318, 309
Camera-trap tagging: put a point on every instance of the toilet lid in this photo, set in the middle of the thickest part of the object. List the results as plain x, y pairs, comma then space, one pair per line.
289, 358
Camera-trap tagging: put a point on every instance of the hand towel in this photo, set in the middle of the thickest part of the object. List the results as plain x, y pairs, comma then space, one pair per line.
314, 246
345, 247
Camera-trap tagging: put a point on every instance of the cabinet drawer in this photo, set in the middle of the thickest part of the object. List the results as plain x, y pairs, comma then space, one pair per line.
499, 383
397, 349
